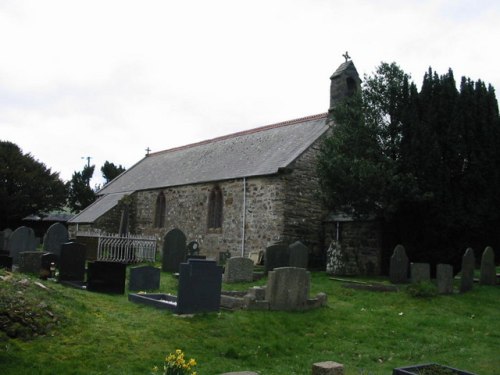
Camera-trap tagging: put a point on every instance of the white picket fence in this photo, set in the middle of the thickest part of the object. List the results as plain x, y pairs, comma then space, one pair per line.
123, 249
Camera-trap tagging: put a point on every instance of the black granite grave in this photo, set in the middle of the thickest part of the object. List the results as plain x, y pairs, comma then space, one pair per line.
48, 261
72, 262
174, 250
106, 277
144, 278
277, 255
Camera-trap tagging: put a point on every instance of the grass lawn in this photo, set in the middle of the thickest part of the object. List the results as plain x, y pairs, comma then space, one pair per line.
369, 332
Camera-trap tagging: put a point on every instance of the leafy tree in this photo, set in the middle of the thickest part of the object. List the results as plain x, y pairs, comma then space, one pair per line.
110, 171
80, 194
27, 186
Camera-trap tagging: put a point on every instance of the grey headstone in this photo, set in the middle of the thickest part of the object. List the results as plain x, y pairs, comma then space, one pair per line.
4, 238
488, 271
398, 270
106, 277
468, 265
288, 288
72, 262
299, 255
174, 250
200, 284
144, 278
238, 269
276, 255
56, 235
30, 262
444, 277
420, 272
22, 239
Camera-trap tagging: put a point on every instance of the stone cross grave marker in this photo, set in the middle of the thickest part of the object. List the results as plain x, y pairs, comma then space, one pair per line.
106, 277
276, 255
444, 277
72, 262
288, 288
174, 250
488, 271
56, 235
398, 270
238, 269
200, 284
420, 272
299, 255
468, 264
22, 239
143, 278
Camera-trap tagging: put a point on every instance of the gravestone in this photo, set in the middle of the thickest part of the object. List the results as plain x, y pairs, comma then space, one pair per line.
276, 255
288, 288
193, 248
298, 255
106, 277
22, 239
49, 262
256, 257
6, 262
420, 272
72, 262
444, 277
398, 270
468, 264
238, 269
327, 368
200, 283
488, 271
4, 239
30, 262
174, 251
144, 278
56, 235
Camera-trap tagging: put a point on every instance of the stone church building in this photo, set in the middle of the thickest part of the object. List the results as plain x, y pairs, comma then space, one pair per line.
237, 193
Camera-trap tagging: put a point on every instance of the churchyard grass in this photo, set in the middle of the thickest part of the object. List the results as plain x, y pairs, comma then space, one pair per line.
369, 332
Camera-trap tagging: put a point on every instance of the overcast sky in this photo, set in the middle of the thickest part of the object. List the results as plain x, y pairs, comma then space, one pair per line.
107, 79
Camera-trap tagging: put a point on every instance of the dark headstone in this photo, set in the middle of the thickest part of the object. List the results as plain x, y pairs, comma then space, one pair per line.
420, 272
398, 270
174, 250
49, 262
144, 278
468, 264
30, 262
444, 277
56, 235
238, 269
72, 262
6, 262
288, 288
22, 239
488, 271
200, 283
276, 255
106, 277
299, 255
4, 239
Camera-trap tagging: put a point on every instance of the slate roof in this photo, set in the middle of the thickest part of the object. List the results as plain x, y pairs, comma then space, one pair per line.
257, 152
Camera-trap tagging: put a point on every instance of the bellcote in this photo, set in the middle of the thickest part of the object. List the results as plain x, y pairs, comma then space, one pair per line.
344, 83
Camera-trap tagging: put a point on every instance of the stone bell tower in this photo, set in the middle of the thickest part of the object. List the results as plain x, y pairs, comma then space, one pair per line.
344, 82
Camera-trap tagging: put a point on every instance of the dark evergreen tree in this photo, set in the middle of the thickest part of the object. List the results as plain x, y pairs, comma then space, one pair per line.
110, 171
80, 194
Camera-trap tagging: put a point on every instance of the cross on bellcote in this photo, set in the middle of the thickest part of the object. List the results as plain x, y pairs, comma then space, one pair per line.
346, 56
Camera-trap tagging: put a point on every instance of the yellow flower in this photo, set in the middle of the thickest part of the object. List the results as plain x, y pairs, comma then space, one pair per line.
192, 362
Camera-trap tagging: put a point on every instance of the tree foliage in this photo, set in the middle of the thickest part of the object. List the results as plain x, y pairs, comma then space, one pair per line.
80, 194
426, 161
110, 171
27, 186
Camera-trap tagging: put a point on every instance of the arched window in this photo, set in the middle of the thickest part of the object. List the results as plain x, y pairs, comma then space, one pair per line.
215, 208
160, 209
351, 86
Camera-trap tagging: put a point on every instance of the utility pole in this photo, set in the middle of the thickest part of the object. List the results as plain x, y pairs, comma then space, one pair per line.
88, 160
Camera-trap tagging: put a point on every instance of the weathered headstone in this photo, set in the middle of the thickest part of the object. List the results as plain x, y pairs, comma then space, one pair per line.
200, 284
238, 269
56, 235
106, 277
327, 368
144, 278
299, 255
30, 262
6, 262
468, 264
174, 251
398, 270
72, 262
420, 272
276, 255
488, 271
4, 239
22, 239
444, 277
288, 288
256, 257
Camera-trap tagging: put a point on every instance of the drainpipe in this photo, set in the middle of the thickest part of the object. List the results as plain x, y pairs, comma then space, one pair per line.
244, 216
